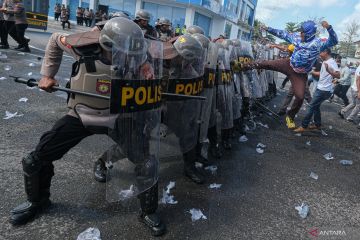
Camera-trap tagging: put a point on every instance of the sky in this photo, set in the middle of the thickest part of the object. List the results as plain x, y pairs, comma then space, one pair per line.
276, 13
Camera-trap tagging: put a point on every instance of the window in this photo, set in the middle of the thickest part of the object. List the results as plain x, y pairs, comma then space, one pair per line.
174, 14
228, 29
127, 6
239, 34
203, 21
249, 15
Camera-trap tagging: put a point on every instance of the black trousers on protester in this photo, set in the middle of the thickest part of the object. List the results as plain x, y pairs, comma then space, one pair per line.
341, 91
9, 29
2, 30
20, 30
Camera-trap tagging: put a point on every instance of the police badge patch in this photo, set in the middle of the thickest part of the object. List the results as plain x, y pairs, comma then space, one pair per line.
103, 86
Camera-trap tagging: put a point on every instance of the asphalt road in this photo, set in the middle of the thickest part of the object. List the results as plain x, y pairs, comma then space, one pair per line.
257, 198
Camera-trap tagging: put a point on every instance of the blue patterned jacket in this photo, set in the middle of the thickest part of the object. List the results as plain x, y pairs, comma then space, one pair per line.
305, 53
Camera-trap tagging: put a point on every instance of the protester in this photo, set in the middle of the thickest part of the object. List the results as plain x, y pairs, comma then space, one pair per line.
87, 17
355, 99
79, 15
343, 84
329, 71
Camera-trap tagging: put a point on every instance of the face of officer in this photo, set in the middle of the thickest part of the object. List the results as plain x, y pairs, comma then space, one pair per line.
164, 28
143, 23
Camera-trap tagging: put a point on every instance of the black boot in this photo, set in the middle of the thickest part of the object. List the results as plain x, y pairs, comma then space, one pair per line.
189, 167
226, 139
37, 185
100, 170
201, 154
148, 215
215, 149
20, 46
25, 49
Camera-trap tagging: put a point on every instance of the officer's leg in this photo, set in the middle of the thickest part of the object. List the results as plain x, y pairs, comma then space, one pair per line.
38, 167
189, 167
149, 204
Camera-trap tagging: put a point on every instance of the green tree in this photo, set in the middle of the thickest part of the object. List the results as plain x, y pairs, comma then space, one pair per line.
291, 26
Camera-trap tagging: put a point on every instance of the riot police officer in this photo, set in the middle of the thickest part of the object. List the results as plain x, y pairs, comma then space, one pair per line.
163, 29
93, 51
142, 18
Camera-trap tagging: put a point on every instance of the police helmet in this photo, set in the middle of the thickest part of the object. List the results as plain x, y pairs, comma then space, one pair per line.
195, 29
202, 39
120, 14
188, 47
164, 21
142, 15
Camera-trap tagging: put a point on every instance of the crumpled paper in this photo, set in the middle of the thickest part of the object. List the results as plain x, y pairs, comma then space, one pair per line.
9, 115
303, 210
196, 214
215, 186
212, 169
24, 99
243, 138
127, 193
90, 234
328, 156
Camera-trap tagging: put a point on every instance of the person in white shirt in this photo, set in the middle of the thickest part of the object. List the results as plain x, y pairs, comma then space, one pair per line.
355, 99
324, 89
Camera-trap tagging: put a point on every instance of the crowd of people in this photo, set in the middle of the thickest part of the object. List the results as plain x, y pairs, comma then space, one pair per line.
13, 22
232, 77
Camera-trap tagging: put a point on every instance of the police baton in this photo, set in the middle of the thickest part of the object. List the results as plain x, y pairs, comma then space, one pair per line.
33, 83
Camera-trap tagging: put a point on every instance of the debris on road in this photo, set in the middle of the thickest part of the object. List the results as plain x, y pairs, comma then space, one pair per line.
243, 138
260, 150
24, 99
170, 186
303, 210
328, 156
196, 214
7, 68
212, 169
90, 234
2, 78
323, 133
314, 176
9, 115
346, 162
308, 143
127, 193
261, 145
215, 185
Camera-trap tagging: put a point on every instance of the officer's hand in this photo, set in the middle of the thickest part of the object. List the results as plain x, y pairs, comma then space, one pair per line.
325, 24
46, 83
147, 71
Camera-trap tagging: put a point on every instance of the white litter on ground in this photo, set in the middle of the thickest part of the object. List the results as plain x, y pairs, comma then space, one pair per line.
21, 53
215, 186
263, 125
9, 115
27, 87
260, 150
261, 145
31, 64
90, 234
328, 156
24, 99
303, 210
346, 162
243, 138
314, 176
7, 68
2, 78
323, 133
127, 193
198, 165
196, 214
168, 199
3, 56
298, 134
170, 186
330, 127
30, 74
212, 169
308, 143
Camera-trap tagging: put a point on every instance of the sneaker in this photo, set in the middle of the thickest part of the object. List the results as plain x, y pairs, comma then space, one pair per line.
314, 127
300, 130
290, 122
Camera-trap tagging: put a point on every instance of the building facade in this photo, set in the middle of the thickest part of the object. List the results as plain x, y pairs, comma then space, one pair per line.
234, 18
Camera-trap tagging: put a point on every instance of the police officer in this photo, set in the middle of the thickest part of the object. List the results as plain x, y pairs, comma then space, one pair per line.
91, 49
163, 29
195, 29
142, 18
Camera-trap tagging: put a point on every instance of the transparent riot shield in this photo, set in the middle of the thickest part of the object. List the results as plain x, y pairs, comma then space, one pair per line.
237, 99
224, 88
133, 158
181, 116
246, 56
209, 82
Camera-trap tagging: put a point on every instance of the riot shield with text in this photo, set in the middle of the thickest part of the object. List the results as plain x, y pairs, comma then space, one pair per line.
181, 116
136, 97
